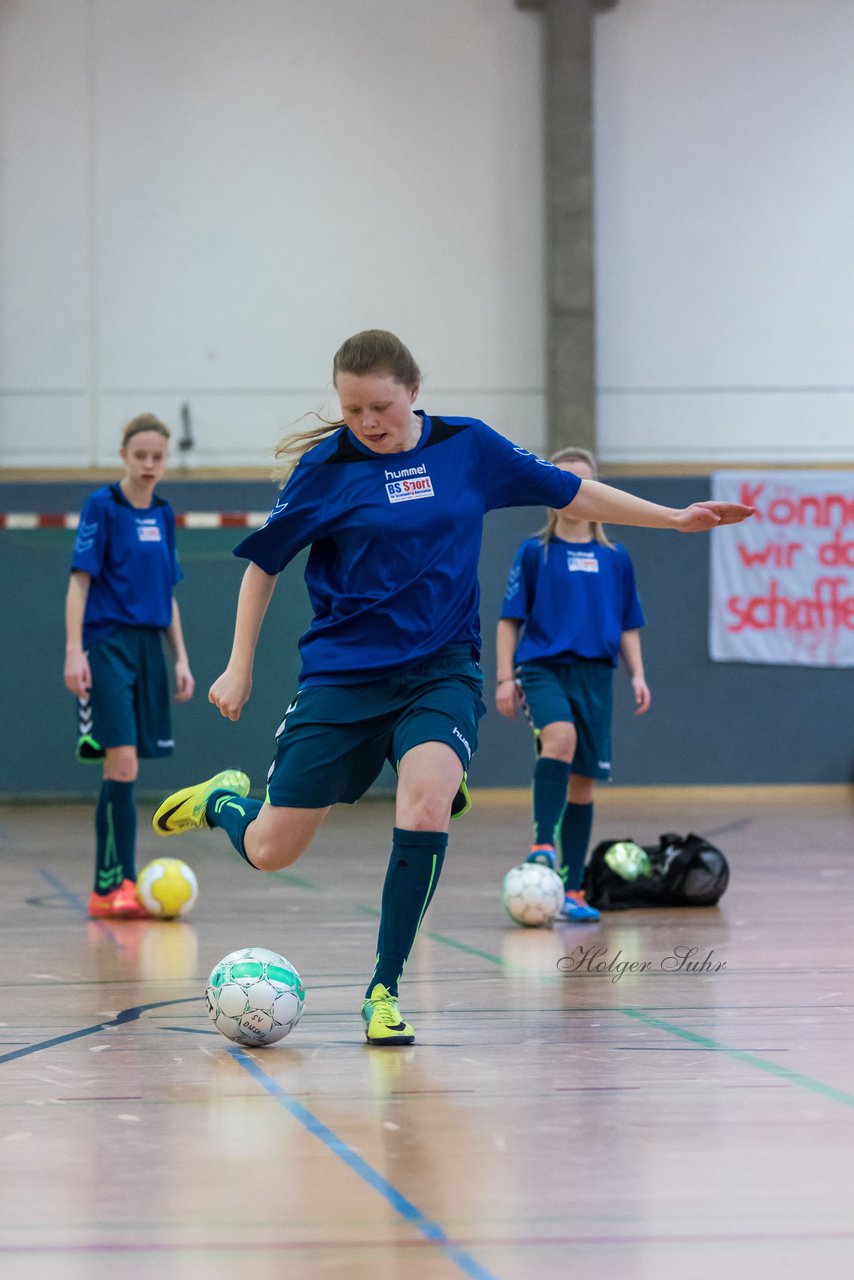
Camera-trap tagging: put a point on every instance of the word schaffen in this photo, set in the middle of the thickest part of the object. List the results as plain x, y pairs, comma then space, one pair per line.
680, 960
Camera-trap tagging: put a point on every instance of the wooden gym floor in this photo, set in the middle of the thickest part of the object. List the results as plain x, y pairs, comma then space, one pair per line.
680, 1126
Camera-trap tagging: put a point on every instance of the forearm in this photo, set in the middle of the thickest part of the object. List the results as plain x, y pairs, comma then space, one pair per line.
175, 635
630, 652
75, 609
506, 639
256, 591
597, 501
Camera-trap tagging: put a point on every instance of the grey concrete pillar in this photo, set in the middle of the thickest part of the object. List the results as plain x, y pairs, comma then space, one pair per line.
569, 202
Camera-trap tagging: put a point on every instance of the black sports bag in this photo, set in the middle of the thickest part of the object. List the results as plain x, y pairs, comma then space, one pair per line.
680, 871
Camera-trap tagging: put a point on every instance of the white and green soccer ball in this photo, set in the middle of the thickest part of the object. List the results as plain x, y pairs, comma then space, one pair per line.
532, 894
255, 996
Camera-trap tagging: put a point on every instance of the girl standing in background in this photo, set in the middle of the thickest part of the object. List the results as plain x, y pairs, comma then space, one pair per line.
570, 612
118, 608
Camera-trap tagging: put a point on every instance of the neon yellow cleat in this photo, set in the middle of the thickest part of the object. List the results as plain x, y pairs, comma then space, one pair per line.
184, 810
383, 1021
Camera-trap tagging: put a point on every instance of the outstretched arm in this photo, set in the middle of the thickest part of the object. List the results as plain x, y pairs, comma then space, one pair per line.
230, 692
597, 501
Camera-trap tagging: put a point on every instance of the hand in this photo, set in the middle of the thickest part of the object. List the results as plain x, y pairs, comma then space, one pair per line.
185, 683
702, 516
78, 677
506, 698
231, 693
643, 697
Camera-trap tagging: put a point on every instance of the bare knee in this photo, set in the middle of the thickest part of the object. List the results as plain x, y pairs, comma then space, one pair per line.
558, 740
121, 764
423, 810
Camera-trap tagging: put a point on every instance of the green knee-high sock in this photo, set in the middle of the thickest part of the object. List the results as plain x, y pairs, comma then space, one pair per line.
413, 873
115, 836
550, 779
233, 813
575, 828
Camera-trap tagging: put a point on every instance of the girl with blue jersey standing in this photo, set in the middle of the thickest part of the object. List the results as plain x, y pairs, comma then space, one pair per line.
570, 612
391, 501
118, 609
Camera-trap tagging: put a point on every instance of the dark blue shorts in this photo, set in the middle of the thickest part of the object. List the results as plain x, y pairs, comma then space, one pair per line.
128, 704
580, 692
334, 739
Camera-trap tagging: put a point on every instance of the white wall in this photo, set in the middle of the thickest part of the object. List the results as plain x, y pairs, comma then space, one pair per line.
202, 198
725, 232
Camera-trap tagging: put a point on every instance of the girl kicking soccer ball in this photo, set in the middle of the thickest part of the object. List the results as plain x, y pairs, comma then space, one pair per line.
391, 501
571, 598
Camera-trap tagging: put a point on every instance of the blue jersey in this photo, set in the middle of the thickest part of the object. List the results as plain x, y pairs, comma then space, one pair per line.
130, 556
395, 540
575, 598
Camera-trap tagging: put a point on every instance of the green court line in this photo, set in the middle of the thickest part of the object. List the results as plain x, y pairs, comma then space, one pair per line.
739, 1055
440, 937
796, 1078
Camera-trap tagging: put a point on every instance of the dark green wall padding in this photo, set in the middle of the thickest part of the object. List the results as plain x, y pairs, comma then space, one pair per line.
710, 723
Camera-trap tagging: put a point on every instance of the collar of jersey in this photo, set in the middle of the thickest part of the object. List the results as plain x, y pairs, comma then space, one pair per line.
118, 494
564, 543
407, 453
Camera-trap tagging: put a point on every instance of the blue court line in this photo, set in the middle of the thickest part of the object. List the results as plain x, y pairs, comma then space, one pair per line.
126, 1015
407, 1210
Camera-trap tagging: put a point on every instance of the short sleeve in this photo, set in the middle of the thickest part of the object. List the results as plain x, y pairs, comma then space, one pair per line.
297, 520
515, 477
90, 544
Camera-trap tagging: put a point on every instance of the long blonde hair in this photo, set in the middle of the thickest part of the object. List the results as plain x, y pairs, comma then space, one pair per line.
368, 352
574, 453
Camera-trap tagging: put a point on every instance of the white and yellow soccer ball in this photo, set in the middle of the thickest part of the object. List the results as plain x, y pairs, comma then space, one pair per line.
532, 894
167, 888
255, 996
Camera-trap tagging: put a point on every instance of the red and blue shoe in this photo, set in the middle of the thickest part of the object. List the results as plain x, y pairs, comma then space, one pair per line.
543, 854
577, 909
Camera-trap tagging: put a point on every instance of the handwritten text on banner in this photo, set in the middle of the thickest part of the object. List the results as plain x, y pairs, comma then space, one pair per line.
782, 583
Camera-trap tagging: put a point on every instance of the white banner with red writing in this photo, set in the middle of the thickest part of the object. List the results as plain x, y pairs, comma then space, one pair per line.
782, 583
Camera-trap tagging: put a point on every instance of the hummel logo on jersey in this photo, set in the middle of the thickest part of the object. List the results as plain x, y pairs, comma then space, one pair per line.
582, 562
417, 485
148, 531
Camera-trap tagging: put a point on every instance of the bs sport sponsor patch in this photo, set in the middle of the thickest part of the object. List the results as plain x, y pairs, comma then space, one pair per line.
582, 562
408, 483
148, 532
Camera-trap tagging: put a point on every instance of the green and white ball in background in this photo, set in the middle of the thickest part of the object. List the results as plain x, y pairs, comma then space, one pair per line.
167, 888
532, 894
255, 996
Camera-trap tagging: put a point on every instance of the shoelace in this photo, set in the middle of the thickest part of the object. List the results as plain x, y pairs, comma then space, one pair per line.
387, 1012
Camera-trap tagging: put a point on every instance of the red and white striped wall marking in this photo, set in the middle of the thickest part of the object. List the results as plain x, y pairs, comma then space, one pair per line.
184, 520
